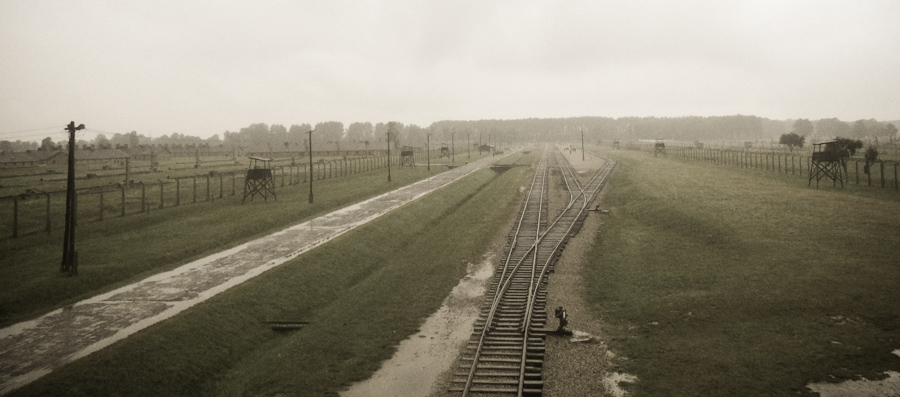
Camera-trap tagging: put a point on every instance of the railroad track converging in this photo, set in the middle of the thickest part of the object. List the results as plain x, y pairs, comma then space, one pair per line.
506, 352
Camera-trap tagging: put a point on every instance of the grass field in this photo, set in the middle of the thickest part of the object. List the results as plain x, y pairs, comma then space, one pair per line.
363, 292
717, 280
120, 250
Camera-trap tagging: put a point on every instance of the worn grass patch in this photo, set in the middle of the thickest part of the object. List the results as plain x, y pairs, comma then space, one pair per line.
364, 292
721, 281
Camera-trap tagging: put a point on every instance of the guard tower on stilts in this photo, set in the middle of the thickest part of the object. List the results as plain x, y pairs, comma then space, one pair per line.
259, 179
826, 163
407, 156
659, 148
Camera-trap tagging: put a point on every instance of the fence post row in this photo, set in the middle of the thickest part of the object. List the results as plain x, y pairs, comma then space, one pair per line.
764, 160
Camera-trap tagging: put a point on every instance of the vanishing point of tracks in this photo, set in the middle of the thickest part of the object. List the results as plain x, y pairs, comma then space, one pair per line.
506, 352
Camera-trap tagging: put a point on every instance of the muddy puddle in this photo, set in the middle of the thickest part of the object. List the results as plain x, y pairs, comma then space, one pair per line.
415, 368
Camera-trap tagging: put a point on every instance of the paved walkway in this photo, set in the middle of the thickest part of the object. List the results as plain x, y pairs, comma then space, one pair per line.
32, 349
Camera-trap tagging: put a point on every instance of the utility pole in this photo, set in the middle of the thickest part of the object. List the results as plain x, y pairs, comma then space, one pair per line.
468, 147
582, 144
452, 148
390, 125
70, 256
428, 150
310, 167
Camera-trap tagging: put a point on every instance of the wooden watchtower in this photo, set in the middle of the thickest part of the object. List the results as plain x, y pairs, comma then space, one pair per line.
259, 179
407, 157
826, 163
659, 148
445, 150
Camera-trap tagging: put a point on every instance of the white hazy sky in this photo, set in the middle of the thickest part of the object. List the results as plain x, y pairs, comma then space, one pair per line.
204, 67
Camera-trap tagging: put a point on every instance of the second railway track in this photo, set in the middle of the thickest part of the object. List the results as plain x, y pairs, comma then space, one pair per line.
506, 352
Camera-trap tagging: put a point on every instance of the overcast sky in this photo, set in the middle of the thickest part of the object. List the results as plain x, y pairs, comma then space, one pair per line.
203, 67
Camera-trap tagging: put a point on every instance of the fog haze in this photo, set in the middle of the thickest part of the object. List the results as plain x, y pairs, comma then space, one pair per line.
201, 68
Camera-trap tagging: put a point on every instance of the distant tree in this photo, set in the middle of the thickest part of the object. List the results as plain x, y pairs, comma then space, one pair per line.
101, 141
413, 135
47, 144
891, 131
328, 135
360, 132
792, 140
832, 128
859, 130
133, 139
278, 130
803, 127
297, 135
844, 148
395, 130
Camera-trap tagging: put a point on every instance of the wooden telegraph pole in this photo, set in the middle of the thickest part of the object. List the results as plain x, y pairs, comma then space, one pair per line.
70, 256
582, 144
428, 150
310, 167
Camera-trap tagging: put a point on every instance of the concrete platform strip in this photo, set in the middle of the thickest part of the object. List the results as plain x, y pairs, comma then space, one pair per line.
32, 349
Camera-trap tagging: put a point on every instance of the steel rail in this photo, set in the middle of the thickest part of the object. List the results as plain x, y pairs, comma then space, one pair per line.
504, 283
535, 279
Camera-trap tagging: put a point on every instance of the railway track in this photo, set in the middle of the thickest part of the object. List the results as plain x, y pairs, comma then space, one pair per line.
506, 352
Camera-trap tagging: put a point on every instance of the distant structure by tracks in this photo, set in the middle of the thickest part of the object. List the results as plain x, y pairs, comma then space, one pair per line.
506, 352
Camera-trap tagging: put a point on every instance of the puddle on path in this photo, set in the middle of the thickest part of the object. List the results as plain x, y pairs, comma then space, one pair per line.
611, 383
415, 368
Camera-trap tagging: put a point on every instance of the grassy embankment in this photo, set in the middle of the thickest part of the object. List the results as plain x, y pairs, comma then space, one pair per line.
364, 292
121, 250
723, 281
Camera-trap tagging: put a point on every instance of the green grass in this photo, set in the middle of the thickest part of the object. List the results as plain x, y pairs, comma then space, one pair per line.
716, 280
363, 292
120, 250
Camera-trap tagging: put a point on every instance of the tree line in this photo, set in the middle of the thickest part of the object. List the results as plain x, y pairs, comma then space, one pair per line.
334, 135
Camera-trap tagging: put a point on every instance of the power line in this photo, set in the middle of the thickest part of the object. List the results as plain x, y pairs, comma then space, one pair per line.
25, 136
35, 129
62, 128
31, 136
22, 134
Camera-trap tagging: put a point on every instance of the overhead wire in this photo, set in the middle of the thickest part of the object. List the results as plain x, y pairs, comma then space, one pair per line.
30, 133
